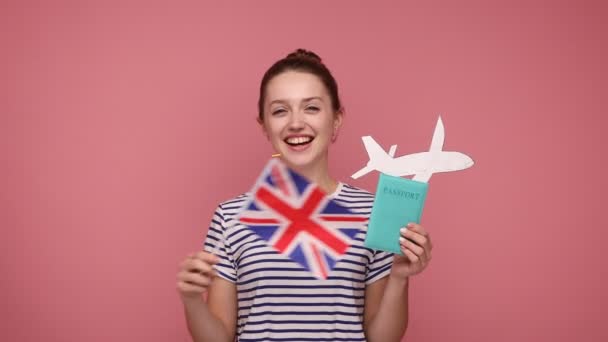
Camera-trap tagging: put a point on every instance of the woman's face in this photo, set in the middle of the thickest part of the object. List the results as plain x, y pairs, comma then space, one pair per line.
298, 118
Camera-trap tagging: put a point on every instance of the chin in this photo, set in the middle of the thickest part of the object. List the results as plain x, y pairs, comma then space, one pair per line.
297, 161
302, 160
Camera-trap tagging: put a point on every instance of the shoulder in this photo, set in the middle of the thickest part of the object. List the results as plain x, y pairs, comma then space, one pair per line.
355, 191
352, 196
234, 202
229, 207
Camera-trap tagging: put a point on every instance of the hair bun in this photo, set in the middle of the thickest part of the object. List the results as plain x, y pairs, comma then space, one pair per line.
304, 54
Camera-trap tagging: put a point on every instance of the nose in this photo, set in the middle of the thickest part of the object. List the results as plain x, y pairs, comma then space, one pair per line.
296, 121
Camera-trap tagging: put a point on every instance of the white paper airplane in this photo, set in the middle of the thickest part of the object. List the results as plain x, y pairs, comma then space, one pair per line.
422, 165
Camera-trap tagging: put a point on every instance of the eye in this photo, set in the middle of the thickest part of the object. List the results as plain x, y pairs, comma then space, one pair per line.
312, 109
278, 111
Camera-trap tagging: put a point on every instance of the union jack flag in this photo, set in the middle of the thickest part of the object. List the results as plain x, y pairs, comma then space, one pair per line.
299, 220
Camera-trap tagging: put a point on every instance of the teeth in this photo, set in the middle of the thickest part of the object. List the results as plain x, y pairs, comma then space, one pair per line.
299, 140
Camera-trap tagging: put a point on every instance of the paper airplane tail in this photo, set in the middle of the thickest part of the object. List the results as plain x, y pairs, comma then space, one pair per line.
377, 156
374, 150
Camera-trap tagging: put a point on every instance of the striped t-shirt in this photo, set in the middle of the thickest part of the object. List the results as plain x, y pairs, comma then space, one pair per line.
280, 301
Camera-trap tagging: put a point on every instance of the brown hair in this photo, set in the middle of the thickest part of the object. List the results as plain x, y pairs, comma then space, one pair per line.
305, 61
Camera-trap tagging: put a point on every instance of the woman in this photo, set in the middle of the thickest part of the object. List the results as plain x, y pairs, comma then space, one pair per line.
253, 293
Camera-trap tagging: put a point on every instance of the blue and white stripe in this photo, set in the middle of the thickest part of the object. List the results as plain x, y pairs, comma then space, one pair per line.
280, 301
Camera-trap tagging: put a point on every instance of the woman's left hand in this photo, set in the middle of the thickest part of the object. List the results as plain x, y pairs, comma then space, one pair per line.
416, 247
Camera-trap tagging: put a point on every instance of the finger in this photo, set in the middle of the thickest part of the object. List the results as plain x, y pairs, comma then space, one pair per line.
185, 262
189, 288
413, 226
415, 259
194, 278
410, 255
415, 237
405, 243
418, 251
425, 243
420, 240
207, 257
198, 266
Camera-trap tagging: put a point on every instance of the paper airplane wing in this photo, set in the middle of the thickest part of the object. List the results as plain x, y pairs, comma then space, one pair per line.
392, 150
434, 151
438, 137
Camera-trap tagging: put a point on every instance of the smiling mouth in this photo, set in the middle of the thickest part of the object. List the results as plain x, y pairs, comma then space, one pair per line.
299, 141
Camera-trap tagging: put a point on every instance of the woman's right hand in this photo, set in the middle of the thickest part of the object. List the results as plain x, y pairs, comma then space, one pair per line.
195, 274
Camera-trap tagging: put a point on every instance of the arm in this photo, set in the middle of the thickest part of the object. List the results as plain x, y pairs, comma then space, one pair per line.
215, 320
386, 301
386, 309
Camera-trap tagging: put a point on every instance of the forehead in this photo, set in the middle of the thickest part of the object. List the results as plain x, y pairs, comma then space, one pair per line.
293, 85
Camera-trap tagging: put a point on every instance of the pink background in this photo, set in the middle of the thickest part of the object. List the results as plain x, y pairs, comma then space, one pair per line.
123, 124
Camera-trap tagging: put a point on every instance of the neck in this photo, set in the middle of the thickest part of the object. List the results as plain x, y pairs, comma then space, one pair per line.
318, 173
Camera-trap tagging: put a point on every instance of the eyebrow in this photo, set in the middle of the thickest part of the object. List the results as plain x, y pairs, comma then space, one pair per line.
303, 100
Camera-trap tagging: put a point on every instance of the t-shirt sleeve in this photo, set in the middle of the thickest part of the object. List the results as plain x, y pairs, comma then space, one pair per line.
217, 243
379, 266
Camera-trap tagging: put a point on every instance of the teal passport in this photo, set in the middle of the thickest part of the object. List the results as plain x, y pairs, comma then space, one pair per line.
398, 201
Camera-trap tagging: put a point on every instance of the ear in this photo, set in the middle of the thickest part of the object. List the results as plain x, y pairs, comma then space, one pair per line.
261, 123
338, 116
